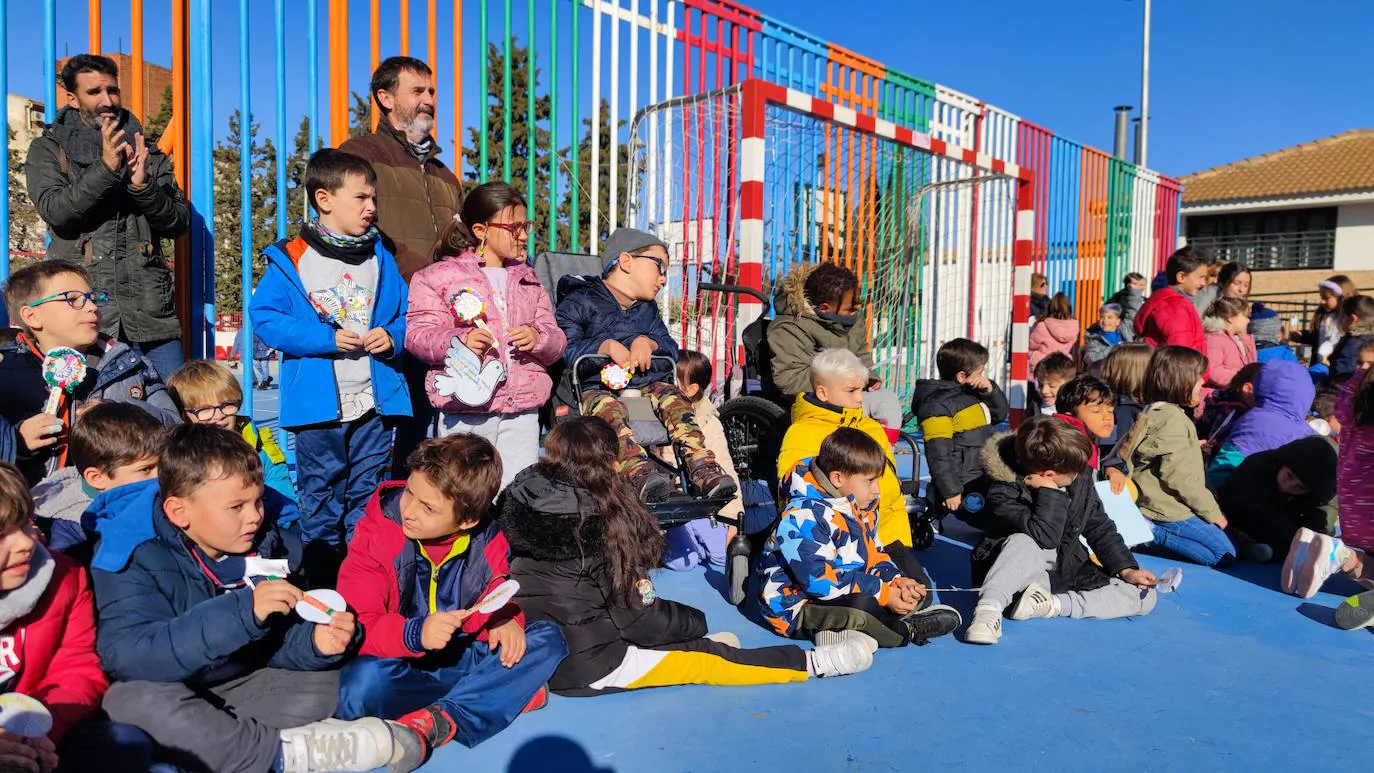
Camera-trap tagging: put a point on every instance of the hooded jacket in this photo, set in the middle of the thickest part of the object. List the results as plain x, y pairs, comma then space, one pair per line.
1226, 354
1355, 469
1052, 335
393, 585
589, 315
96, 218
1169, 318
119, 375
1164, 460
956, 422
431, 324
417, 194
1251, 497
1054, 518
825, 547
1097, 343
1130, 300
564, 575
1346, 356
812, 422
797, 334
163, 619
1283, 398
287, 321
47, 641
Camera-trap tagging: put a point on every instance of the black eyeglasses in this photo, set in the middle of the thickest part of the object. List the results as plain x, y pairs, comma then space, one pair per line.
208, 412
662, 264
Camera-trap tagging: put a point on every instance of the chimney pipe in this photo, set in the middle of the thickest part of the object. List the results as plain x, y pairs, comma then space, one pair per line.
1120, 146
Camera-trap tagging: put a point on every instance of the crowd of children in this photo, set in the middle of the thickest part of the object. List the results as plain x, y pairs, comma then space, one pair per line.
170, 584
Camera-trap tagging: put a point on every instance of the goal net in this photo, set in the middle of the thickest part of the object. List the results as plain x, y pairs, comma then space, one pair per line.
747, 183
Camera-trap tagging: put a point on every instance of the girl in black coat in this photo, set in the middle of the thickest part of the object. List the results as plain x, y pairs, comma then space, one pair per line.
583, 547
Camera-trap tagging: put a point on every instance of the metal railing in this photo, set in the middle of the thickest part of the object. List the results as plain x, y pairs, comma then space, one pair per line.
1267, 251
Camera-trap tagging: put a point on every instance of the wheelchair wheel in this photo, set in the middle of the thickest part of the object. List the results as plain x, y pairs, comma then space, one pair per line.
753, 429
923, 533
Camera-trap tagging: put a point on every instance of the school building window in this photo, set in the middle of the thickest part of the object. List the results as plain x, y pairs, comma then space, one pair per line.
1289, 238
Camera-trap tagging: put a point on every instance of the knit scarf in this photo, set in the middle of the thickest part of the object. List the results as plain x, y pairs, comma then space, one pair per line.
80, 141
353, 250
422, 149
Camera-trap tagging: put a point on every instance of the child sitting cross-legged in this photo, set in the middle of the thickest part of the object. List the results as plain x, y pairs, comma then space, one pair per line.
584, 548
423, 557
47, 649
56, 307
208, 393
112, 444
197, 585
614, 315
1038, 499
824, 569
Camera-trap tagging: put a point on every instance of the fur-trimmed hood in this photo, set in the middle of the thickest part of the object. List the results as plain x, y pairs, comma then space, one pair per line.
999, 458
790, 297
542, 516
1214, 325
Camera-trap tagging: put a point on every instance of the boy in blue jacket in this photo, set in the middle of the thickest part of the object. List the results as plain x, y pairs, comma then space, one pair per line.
615, 316
195, 590
333, 303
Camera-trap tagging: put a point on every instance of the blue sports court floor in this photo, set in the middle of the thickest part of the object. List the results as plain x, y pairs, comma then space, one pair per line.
1226, 674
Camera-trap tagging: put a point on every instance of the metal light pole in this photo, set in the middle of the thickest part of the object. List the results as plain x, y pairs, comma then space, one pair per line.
1143, 141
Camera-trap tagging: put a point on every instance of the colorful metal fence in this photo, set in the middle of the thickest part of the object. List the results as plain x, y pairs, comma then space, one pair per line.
1096, 217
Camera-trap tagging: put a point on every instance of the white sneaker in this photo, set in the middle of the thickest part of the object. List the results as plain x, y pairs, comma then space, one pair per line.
854, 653
830, 638
1312, 559
986, 627
724, 637
336, 745
1036, 601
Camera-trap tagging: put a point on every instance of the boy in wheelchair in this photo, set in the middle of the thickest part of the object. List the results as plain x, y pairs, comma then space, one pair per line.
614, 316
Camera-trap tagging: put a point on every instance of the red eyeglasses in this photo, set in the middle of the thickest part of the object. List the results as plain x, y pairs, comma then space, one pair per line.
514, 229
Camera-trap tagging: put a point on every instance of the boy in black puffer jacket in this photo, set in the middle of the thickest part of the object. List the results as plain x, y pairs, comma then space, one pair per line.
1036, 500
958, 413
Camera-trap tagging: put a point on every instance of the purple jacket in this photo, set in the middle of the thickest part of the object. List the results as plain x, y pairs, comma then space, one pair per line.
1283, 396
430, 324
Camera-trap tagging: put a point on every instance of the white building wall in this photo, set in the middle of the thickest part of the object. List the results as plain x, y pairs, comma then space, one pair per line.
1355, 237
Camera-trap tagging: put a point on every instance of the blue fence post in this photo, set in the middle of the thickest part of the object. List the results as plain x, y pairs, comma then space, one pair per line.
312, 35
202, 182
246, 210
5, 122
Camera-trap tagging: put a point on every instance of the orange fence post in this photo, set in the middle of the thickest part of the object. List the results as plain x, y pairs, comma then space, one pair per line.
178, 136
94, 46
136, 95
458, 87
338, 72
405, 27
376, 16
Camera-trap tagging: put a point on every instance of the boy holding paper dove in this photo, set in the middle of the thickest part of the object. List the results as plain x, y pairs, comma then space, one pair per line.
60, 362
422, 565
334, 304
1037, 497
200, 621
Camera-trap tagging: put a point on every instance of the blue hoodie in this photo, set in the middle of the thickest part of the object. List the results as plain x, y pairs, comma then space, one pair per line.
162, 619
285, 319
1283, 398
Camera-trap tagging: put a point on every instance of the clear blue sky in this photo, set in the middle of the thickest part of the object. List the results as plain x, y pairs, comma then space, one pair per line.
1230, 79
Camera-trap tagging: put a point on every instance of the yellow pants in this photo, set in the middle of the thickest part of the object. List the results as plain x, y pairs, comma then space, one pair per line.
703, 661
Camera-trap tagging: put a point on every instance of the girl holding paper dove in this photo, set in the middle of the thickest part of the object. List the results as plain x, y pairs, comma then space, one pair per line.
481, 295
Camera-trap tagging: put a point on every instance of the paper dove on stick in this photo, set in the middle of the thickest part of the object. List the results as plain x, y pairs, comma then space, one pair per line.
465, 378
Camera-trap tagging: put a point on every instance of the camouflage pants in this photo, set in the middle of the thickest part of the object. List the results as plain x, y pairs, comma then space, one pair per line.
670, 406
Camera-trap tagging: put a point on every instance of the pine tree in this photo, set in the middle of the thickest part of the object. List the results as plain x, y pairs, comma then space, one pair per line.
360, 116
26, 227
521, 151
262, 203
584, 182
156, 124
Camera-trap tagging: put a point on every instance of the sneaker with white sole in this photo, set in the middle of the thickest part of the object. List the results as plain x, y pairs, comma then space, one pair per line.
1312, 559
932, 622
1036, 601
337, 745
986, 627
828, 638
1356, 612
850, 655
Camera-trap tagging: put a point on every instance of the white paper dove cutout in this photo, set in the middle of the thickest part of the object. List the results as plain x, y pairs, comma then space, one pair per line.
465, 378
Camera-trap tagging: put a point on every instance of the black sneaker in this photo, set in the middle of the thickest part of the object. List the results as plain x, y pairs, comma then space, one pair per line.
1356, 612
932, 622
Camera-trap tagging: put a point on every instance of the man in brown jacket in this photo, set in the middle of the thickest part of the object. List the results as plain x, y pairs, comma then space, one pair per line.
417, 195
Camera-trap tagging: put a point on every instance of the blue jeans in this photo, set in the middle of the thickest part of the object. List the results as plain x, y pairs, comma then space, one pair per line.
1194, 539
109, 746
338, 466
480, 695
165, 355
262, 372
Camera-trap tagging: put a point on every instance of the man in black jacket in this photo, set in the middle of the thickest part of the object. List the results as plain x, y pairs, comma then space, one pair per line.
1036, 500
109, 198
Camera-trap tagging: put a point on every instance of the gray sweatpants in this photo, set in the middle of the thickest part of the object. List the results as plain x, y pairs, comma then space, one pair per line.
1022, 562
229, 727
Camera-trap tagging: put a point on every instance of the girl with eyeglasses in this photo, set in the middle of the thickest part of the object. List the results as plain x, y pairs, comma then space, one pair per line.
481, 294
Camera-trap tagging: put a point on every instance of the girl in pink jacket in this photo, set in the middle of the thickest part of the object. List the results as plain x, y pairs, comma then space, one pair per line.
483, 323
1057, 332
1229, 347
